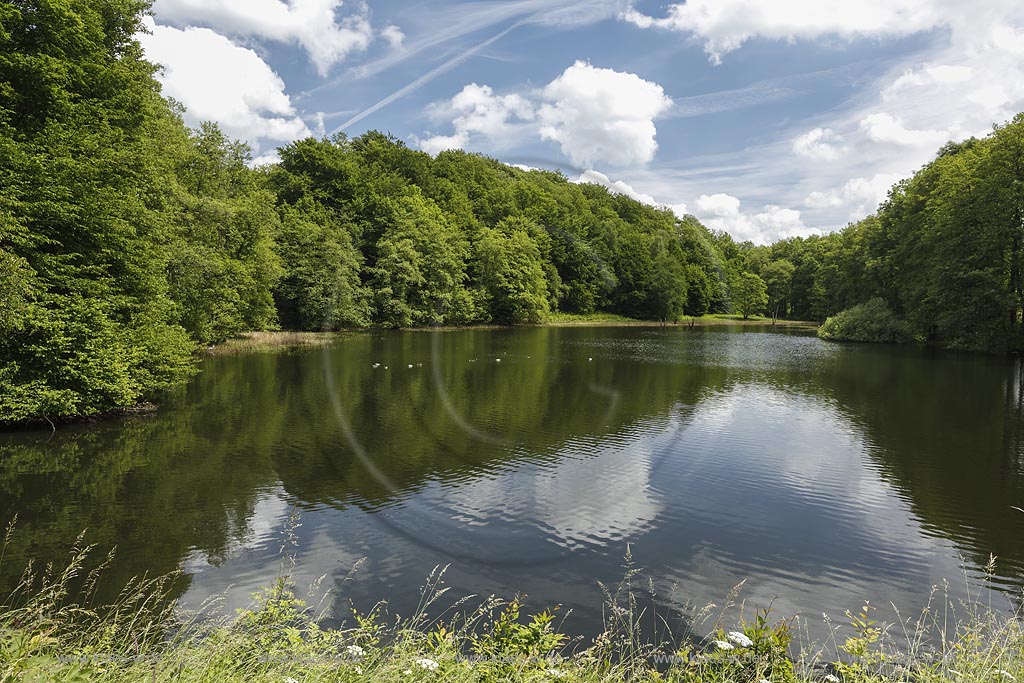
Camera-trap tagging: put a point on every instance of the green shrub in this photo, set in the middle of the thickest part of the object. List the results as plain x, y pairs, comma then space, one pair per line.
871, 321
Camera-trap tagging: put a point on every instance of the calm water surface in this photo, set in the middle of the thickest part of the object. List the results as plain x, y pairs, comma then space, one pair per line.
529, 459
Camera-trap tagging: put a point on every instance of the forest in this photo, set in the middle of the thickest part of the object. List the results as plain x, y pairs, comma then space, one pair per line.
128, 241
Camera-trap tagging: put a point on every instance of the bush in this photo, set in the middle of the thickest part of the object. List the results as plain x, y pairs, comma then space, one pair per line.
871, 321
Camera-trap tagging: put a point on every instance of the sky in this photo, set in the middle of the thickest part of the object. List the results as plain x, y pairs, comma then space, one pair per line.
767, 119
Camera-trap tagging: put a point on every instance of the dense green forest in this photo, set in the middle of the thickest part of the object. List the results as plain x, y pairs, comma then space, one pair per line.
128, 240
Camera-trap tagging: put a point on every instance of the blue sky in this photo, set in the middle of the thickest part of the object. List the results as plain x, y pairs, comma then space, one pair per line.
766, 119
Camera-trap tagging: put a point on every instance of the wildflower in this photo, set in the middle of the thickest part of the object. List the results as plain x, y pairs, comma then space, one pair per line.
764, 680
359, 669
407, 672
740, 639
831, 678
723, 645
428, 664
555, 673
290, 680
355, 651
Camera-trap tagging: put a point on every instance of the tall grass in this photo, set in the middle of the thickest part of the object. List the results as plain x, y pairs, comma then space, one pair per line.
50, 630
262, 342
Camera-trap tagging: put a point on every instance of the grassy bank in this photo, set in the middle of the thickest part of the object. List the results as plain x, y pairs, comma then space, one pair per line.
47, 635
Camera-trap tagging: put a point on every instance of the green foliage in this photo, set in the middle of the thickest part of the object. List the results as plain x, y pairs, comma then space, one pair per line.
509, 269
420, 270
945, 251
749, 294
90, 326
759, 651
321, 288
871, 321
50, 632
222, 266
778, 279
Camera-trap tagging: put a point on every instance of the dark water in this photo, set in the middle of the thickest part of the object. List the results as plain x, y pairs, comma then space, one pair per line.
820, 474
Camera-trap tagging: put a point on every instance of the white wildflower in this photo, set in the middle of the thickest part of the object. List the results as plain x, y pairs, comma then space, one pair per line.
764, 680
740, 639
407, 672
555, 673
723, 645
359, 669
290, 680
428, 664
830, 678
355, 651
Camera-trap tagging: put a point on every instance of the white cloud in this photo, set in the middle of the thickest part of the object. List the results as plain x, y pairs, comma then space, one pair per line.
436, 144
937, 74
314, 24
724, 25
616, 186
722, 212
858, 196
242, 93
819, 144
271, 157
601, 115
596, 115
623, 188
393, 35
883, 127
718, 205
477, 111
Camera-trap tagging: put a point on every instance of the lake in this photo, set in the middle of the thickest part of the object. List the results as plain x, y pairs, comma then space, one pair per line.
528, 460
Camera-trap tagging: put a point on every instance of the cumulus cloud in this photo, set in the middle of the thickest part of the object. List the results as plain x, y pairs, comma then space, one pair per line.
883, 127
724, 25
596, 116
316, 25
393, 35
929, 74
858, 196
242, 94
722, 212
602, 115
617, 186
476, 110
820, 144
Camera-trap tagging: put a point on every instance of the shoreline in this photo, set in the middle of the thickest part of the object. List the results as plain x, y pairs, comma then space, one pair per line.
260, 342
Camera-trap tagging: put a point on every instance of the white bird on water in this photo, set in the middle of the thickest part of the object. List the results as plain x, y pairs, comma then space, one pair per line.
497, 360
590, 359
410, 366
376, 365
